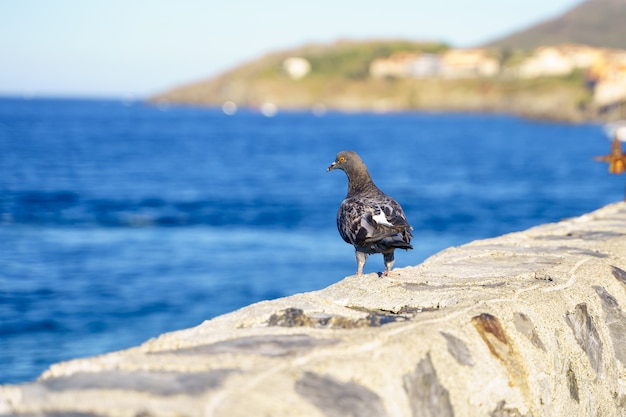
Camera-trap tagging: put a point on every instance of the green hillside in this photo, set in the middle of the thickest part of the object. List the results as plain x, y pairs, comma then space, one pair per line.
339, 79
339, 76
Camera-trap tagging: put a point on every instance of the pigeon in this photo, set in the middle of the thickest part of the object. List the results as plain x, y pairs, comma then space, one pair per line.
369, 219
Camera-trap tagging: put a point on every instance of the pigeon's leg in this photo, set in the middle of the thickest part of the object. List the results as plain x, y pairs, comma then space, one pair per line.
360, 262
389, 259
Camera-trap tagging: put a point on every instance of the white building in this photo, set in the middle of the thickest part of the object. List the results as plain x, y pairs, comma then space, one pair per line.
296, 67
397, 65
547, 61
468, 63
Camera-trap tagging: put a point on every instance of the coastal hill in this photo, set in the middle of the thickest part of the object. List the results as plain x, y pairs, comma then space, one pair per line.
594, 22
567, 82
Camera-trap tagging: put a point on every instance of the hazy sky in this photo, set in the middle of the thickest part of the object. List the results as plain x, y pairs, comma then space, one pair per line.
134, 48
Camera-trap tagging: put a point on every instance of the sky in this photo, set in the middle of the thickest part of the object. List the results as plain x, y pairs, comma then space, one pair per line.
137, 48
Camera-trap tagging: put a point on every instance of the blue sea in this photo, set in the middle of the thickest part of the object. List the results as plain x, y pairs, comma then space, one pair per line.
120, 221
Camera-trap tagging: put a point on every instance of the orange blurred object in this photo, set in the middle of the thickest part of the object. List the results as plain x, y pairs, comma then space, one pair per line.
616, 159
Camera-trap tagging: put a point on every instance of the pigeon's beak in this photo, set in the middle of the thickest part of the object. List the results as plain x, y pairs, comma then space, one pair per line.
331, 167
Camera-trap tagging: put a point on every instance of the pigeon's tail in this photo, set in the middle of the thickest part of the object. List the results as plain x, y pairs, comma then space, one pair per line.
398, 241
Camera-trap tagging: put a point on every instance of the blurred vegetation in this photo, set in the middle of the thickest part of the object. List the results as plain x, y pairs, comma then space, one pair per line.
339, 79
352, 60
343, 59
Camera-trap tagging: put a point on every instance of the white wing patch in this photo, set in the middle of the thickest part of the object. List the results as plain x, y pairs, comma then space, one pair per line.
380, 218
367, 226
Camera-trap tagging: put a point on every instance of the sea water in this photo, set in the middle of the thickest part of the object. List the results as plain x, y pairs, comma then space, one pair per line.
121, 221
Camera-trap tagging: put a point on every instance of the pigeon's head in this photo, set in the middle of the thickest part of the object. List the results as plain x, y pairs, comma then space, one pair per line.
346, 161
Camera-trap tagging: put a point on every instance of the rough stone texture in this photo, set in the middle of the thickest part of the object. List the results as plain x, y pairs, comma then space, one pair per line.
527, 324
339, 399
616, 322
427, 396
586, 335
458, 349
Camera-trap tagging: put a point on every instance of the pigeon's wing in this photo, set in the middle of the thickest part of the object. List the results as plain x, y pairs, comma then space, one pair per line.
365, 221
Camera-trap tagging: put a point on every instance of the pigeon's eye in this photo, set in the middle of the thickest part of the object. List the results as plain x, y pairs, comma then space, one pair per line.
342, 159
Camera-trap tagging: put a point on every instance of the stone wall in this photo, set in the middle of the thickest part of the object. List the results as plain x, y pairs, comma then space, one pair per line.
527, 324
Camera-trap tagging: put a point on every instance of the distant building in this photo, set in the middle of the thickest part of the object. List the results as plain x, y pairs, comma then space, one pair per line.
397, 65
610, 86
547, 61
425, 66
468, 63
582, 56
296, 67
560, 60
605, 69
456, 63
